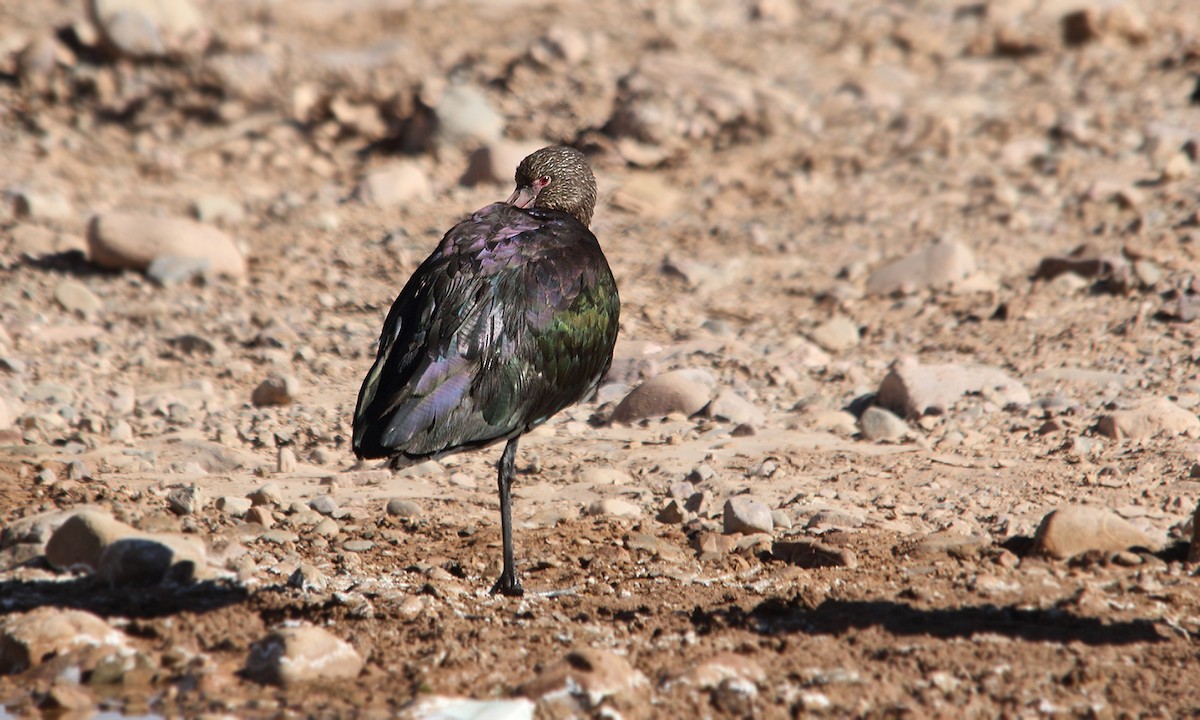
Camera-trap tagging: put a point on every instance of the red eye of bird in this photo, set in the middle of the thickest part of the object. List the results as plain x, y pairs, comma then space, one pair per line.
543, 181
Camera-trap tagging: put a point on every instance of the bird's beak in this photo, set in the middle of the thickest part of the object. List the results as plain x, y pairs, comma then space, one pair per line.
523, 196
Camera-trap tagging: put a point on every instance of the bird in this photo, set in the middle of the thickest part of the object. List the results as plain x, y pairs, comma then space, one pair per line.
512, 318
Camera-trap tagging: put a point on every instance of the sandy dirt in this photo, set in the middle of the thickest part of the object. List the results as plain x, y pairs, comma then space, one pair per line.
758, 162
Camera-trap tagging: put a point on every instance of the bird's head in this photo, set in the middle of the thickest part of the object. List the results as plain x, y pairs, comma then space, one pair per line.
556, 178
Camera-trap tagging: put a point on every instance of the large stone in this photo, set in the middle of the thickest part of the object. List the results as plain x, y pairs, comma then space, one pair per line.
747, 515
28, 639
466, 117
938, 265
80, 541
683, 392
912, 390
836, 334
129, 241
1157, 416
1074, 529
289, 656
146, 560
879, 425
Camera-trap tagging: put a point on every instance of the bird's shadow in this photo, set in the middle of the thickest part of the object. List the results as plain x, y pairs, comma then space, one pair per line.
837, 617
94, 596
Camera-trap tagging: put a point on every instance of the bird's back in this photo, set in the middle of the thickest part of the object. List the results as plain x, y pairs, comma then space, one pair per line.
512, 318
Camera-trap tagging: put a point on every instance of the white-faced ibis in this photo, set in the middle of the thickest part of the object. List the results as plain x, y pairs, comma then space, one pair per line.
511, 319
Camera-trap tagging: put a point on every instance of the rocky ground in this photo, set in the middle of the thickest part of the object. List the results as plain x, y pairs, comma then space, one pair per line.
903, 418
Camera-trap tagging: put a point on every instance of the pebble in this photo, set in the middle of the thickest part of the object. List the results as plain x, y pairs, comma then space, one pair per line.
168, 25
597, 476
879, 425
309, 578
837, 334
323, 504
261, 515
466, 117
586, 681
728, 406
327, 528
938, 265
807, 554
147, 560
235, 506
495, 161
614, 507
293, 655
275, 390
747, 515
82, 538
397, 184
399, 507
218, 209
357, 546
127, 241
42, 206
77, 298
1074, 529
673, 513
168, 270
1157, 416
268, 494
285, 461
27, 639
279, 536
912, 390
684, 392
187, 500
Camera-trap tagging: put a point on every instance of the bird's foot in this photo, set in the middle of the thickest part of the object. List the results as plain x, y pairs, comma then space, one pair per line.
508, 585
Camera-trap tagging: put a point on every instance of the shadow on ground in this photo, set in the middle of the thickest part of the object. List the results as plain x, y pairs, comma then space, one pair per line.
86, 593
837, 617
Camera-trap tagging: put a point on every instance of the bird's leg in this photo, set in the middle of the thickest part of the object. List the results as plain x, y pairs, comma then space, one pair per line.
507, 584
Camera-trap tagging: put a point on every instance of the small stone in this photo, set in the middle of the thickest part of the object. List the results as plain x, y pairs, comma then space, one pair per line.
747, 515
938, 265
122, 241
1177, 168
168, 270
327, 528
683, 392
285, 462
275, 390
673, 513
589, 682
77, 298
235, 506
912, 390
399, 507
466, 117
308, 578
614, 507
395, 185
781, 519
28, 639
698, 502
1074, 529
358, 546
42, 206
218, 209
169, 26
260, 515
836, 334
808, 554
600, 476
879, 425
187, 500
323, 504
293, 655
279, 536
731, 407
1157, 416
268, 494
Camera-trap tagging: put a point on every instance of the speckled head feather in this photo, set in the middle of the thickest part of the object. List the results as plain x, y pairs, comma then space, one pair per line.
557, 178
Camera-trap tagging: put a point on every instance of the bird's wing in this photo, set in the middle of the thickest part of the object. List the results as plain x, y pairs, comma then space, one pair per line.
443, 331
